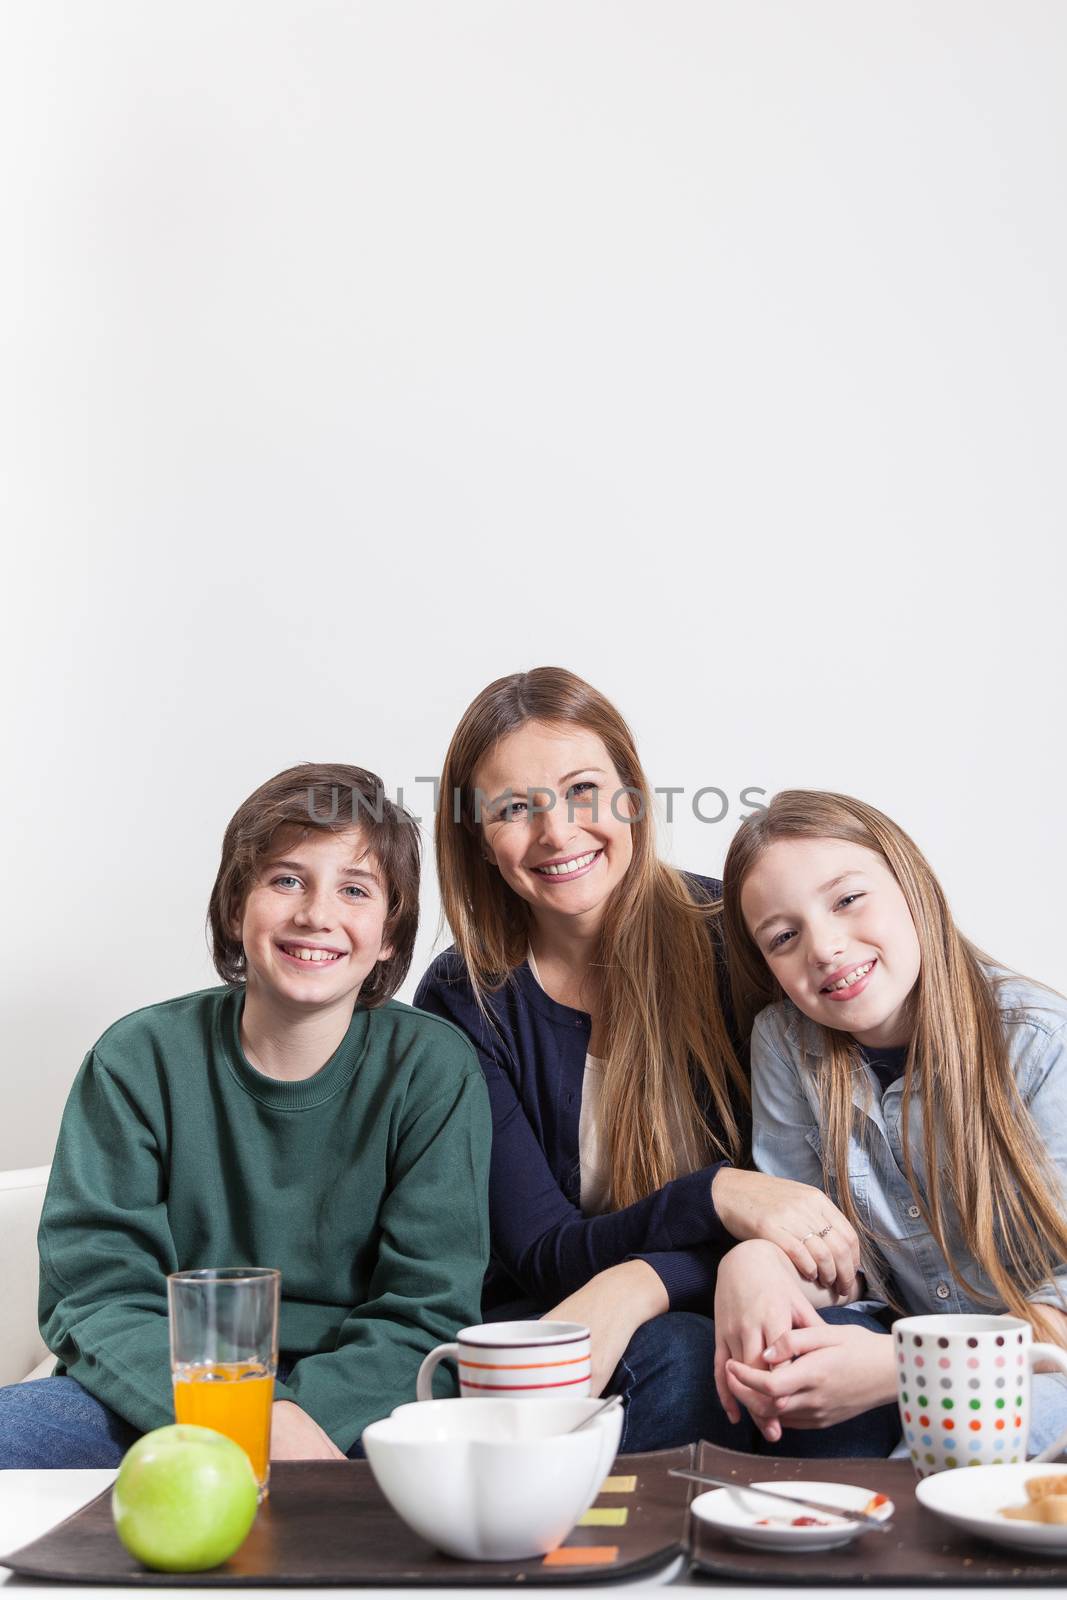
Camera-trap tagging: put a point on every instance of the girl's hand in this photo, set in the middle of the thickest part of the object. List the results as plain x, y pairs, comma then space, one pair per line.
294, 1436
758, 1298
751, 1205
613, 1305
821, 1375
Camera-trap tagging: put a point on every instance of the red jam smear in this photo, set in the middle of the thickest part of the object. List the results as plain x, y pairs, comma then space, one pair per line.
797, 1522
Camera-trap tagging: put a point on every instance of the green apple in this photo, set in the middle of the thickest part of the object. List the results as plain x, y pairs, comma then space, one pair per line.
184, 1499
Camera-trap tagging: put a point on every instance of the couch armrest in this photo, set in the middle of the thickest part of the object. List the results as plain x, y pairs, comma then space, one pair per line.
21, 1198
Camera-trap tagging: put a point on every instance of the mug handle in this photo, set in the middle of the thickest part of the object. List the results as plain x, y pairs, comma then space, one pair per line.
449, 1352
1053, 1353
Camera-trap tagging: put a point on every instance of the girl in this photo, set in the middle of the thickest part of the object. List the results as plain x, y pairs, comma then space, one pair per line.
925, 1085
585, 973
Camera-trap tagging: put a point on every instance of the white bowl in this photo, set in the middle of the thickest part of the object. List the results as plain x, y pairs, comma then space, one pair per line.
492, 1480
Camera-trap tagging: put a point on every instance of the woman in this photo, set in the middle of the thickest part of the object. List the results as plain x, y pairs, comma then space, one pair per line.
585, 973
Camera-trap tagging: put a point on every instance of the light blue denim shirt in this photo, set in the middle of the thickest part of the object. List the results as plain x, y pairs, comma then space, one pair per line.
787, 1142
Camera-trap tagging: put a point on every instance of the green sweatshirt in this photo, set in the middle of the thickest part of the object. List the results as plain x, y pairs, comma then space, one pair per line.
366, 1184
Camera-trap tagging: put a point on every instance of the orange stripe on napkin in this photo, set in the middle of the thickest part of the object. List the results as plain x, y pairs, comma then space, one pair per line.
582, 1555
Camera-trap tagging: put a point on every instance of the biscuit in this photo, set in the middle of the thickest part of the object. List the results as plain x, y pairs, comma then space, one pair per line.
1038, 1488
1051, 1508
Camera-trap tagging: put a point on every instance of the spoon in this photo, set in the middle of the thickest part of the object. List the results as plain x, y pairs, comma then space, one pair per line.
609, 1405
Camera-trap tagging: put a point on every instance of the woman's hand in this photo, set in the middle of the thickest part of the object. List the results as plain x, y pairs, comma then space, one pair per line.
818, 1238
294, 1436
613, 1305
758, 1298
819, 1375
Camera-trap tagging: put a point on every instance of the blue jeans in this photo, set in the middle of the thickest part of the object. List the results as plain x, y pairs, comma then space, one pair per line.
54, 1422
666, 1379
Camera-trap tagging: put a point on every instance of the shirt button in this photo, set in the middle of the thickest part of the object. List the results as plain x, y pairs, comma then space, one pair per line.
942, 1291
913, 1211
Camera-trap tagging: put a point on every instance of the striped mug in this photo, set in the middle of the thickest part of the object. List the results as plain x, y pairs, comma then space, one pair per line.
514, 1361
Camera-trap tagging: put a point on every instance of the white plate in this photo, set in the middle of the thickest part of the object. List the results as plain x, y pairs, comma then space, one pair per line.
737, 1514
972, 1498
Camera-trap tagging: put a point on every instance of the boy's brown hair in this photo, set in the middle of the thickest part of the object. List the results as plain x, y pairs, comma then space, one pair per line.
329, 797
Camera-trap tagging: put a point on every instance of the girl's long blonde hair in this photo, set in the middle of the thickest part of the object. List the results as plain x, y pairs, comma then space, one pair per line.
983, 1155
659, 999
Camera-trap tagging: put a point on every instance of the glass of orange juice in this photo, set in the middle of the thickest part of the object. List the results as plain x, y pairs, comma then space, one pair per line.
224, 1354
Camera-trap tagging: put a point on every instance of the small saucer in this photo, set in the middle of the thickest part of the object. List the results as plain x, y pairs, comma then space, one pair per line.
762, 1524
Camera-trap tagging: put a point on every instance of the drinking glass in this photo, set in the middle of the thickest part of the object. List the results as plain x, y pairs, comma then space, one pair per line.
224, 1354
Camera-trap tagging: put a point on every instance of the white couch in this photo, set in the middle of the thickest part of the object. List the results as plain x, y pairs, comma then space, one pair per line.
22, 1351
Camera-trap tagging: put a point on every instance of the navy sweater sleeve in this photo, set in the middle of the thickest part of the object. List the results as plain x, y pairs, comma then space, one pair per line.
539, 1234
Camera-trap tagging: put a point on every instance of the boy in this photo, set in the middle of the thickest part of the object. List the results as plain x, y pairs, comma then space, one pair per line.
297, 1117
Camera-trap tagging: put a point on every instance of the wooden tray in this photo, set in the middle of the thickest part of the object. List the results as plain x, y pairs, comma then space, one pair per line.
919, 1549
327, 1523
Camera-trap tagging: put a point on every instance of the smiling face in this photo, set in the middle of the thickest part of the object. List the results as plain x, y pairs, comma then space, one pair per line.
564, 861
313, 923
833, 926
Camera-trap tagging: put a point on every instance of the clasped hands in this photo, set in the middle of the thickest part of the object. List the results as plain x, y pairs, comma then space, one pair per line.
773, 1352
775, 1355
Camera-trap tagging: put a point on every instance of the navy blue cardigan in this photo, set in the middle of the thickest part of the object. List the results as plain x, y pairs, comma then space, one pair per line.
534, 1064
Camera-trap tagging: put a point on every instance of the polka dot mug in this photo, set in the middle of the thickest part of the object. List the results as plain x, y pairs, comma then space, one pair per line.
963, 1385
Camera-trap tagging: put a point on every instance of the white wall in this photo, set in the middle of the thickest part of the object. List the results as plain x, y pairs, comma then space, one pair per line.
354, 354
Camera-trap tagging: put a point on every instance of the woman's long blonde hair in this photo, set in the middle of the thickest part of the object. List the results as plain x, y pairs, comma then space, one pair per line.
659, 1000
983, 1155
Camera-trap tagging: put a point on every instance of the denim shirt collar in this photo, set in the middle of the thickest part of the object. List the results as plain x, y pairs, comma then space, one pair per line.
804, 1035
